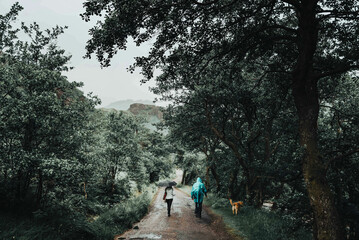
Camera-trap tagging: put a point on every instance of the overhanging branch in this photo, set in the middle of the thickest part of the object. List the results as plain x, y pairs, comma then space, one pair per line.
204, 3
294, 3
340, 157
335, 71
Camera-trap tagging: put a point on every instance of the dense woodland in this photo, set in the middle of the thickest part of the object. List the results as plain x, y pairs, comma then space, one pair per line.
265, 107
268, 90
64, 163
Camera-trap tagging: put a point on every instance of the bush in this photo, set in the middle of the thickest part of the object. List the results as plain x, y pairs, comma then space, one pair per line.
121, 217
64, 223
257, 224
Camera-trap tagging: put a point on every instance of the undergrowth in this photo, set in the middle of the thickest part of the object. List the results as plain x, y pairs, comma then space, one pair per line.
252, 223
74, 225
257, 224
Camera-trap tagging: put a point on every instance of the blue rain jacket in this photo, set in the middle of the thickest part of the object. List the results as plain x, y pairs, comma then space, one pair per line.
198, 191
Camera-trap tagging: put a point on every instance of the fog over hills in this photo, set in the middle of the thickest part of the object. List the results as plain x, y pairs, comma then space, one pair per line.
124, 105
142, 108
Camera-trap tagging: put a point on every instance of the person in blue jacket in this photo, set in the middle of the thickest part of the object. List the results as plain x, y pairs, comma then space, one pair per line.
197, 194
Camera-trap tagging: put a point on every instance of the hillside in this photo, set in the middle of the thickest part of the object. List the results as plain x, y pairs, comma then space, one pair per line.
141, 108
151, 113
124, 105
146, 110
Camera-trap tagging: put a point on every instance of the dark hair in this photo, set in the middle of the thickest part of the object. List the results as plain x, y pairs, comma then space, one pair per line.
169, 186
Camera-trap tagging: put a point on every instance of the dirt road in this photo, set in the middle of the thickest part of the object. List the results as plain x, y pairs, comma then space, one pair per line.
181, 225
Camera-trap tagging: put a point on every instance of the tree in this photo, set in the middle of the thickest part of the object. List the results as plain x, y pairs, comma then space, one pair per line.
42, 115
337, 124
303, 42
158, 151
252, 121
64, 163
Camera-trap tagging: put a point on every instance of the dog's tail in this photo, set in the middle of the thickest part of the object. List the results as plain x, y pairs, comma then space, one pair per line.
230, 200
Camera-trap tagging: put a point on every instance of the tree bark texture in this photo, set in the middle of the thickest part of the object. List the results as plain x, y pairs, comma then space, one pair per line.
305, 93
232, 180
215, 175
39, 190
183, 182
207, 182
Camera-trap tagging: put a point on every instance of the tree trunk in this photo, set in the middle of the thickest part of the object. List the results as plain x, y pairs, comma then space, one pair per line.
321, 199
232, 180
18, 185
183, 182
305, 93
207, 178
85, 193
215, 175
27, 182
113, 179
39, 190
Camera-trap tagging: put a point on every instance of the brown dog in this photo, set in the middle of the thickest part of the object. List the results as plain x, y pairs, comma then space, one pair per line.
236, 206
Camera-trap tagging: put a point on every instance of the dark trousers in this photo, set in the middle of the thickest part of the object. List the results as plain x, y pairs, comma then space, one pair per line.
198, 209
169, 203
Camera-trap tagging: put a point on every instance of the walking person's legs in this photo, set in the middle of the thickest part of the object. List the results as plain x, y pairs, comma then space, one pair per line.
197, 209
169, 203
200, 210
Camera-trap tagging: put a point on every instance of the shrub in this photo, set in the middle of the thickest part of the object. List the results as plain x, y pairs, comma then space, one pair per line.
257, 224
62, 222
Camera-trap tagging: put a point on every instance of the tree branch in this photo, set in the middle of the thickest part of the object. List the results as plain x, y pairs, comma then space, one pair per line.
335, 71
258, 177
294, 3
340, 157
204, 3
229, 143
341, 15
288, 29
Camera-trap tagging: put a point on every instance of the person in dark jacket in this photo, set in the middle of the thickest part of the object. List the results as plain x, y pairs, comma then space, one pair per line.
197, 194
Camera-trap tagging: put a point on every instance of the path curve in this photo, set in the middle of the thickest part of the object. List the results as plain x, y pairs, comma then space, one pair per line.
181, 225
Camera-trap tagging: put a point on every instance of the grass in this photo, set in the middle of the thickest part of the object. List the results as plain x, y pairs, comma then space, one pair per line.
256, 224
120, 218
73, 225
251, 223
13, 227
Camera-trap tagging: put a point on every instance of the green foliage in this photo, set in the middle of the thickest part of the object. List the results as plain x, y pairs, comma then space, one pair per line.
42, 120
121, 217
24, 229
252, 223
67, 170
192, 165
64, 223
244, 76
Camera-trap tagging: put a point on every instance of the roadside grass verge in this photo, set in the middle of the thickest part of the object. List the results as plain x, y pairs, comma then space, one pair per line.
70, 224
251, 223
256, 224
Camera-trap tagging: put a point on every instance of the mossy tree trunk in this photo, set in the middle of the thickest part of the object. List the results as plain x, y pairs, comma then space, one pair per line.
305, 93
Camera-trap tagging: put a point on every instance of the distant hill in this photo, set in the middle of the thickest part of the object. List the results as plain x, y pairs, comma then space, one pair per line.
151, 113
125, 104
141, 108
146, 110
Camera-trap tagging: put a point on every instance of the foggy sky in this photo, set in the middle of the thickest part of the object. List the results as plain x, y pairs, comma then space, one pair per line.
110, 84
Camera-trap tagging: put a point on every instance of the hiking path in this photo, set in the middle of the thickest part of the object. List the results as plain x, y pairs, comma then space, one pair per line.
181, 225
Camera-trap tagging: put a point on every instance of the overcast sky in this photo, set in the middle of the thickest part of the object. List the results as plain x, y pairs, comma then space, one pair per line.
110, 84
